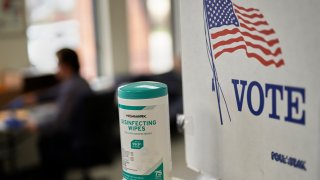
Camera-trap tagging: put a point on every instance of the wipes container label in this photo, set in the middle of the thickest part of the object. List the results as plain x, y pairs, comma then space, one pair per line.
144, 148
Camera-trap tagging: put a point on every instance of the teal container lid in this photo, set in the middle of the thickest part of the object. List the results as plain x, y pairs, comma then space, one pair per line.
142, 90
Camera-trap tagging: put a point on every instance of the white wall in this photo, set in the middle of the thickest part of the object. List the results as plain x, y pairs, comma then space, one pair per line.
13, 52
112, 42
119, 33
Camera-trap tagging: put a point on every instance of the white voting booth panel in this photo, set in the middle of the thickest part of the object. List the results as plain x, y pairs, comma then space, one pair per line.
251, 88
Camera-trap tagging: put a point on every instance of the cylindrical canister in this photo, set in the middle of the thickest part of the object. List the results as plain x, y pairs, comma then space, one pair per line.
145, 131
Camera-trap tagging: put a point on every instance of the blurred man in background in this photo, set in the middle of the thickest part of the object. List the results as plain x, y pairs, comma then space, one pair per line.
55, 128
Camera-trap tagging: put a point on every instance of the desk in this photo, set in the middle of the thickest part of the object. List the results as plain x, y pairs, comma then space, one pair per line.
21, 114
37, 113
11, 138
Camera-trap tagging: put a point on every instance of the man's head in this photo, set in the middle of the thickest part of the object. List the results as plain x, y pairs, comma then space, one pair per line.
68, 63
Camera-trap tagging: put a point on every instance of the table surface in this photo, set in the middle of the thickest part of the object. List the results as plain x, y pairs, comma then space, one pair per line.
35, 113
22, 114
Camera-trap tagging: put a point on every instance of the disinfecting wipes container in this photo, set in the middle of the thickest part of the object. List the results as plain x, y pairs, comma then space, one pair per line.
145, 131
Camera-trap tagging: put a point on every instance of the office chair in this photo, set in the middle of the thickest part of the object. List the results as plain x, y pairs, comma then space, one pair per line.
94, 137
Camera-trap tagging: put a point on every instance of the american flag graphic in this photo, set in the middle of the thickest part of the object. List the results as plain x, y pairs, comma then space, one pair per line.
232, 27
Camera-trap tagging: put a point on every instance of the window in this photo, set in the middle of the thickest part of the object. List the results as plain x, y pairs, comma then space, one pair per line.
55, 24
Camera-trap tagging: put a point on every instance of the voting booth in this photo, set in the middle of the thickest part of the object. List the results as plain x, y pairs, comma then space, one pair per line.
251, 88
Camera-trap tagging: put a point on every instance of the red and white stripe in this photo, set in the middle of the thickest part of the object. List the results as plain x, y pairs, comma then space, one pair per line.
254, 36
